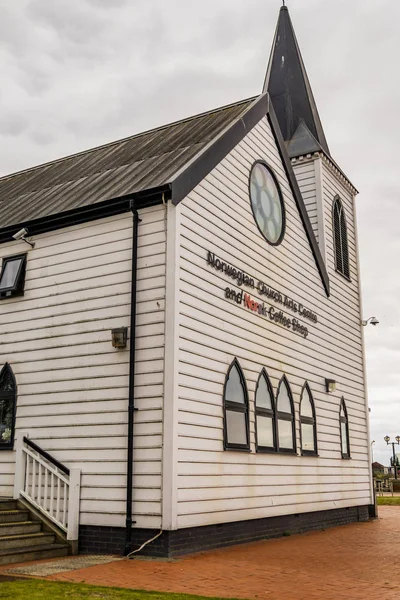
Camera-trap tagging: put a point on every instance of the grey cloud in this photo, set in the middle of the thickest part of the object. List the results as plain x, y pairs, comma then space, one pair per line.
69, 19
106, 4
43, 138
13, 125
35, 81
14, 30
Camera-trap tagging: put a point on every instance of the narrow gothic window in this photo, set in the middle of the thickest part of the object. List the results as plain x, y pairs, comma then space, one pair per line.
236, 409
340, 239
308, 425
265, 415
8, 396
285, 418
344, 430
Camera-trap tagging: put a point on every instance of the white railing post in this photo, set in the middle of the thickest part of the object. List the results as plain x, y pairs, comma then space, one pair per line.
73, 504
65, 487
20, 464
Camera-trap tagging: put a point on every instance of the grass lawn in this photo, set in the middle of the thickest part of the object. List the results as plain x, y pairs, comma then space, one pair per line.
43, 590
389, 500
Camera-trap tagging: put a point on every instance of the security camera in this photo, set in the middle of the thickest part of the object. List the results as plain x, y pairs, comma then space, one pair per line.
20, 234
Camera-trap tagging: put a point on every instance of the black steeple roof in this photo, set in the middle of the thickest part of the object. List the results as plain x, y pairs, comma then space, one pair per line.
290, 90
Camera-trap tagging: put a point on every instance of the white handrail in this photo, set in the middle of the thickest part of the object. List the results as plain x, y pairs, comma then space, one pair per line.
47, 488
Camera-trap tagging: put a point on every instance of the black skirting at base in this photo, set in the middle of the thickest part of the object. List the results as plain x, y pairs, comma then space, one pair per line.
111, 540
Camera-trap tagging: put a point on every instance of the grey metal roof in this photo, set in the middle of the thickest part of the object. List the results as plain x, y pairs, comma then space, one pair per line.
302, 142
288, 85
142, 162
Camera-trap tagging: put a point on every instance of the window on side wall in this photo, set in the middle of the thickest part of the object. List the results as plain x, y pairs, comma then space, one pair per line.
236, 409
265, 415
344, 430
285, 418
308, 424
12, 276
341, 246
8, 398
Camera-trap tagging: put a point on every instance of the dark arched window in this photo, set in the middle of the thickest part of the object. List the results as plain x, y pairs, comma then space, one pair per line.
308, 424
8, 397
285, 418
344, 430
340, 239
265, 414
236, 409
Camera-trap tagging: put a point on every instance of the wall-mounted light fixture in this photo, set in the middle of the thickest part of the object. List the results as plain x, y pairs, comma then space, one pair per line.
330, 385
119, 337
372, 320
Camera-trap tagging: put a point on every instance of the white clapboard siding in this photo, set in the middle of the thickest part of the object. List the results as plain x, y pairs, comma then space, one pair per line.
214, 485
305, 175
72, 384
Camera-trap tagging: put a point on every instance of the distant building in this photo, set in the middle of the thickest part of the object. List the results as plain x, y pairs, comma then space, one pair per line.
378, 469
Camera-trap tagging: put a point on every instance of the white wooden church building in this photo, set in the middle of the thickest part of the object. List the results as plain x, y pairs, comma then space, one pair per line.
181, 346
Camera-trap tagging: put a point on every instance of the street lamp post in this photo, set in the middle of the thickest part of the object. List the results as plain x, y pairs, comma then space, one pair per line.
387, 440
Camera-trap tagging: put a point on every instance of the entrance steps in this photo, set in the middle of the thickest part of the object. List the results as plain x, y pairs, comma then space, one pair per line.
24, 538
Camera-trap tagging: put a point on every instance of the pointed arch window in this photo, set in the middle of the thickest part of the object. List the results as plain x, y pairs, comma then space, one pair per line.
308, 423
265, 415
236, 409
285, 418
344, 430
8, 397
340, 239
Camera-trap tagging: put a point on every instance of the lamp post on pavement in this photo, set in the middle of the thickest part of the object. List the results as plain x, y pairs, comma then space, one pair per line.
387, 440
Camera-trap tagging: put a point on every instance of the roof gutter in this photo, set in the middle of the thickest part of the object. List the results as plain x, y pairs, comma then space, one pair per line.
131, 397
85, 214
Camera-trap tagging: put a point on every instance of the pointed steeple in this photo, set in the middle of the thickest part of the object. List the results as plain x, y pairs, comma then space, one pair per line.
289, 88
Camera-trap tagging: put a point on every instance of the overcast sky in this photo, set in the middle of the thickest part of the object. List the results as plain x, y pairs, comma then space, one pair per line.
77, 73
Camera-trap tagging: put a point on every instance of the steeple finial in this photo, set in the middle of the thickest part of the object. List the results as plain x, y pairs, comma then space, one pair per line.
287, 83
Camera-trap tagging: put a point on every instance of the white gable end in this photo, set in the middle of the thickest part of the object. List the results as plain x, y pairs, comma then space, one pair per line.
215, 485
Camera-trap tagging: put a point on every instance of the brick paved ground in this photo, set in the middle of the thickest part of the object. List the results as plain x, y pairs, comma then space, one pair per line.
358, 561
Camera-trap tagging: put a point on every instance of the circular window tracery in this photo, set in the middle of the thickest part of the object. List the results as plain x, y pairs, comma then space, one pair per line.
267, 203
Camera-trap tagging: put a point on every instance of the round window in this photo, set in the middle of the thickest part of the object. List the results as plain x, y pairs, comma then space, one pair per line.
267, 203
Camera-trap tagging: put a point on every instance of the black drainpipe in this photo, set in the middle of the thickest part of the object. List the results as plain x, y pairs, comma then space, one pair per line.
131, 400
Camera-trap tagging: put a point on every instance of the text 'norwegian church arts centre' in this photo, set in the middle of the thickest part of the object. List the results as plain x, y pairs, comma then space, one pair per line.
239, 296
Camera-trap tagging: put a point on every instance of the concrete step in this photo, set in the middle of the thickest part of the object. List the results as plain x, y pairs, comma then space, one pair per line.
22, 538
7, 544
34, 553
13, 516
8, 504
22, 528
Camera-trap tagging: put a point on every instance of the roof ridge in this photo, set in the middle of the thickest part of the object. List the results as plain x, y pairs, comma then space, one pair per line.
130, 137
